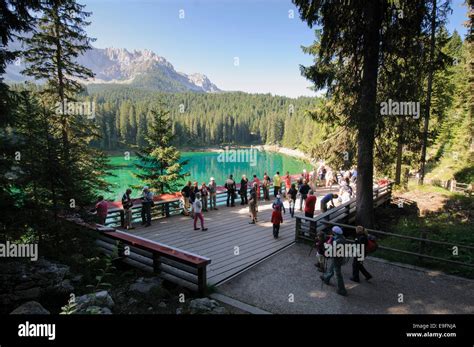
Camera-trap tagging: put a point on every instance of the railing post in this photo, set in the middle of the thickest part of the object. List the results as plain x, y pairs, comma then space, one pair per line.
297, 228
202, 280
422, 244
167, 209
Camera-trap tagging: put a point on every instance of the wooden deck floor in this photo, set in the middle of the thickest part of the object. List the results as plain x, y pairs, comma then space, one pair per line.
230, 241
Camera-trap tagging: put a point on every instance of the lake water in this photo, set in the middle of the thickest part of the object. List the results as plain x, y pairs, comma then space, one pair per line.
203, 165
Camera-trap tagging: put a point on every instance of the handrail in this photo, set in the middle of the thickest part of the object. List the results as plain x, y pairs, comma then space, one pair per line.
346, 212
174, 264
421, 255
400, 236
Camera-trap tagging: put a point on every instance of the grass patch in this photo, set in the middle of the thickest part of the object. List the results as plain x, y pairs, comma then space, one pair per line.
451, 222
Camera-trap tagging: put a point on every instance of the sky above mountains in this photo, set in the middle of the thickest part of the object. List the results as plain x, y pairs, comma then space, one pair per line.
247, 45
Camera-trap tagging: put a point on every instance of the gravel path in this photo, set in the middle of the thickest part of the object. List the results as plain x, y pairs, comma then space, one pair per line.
288, 282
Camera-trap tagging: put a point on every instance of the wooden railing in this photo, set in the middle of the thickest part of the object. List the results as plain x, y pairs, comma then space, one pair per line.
451, 185
422, 241
167, 208
307, 228
175, 265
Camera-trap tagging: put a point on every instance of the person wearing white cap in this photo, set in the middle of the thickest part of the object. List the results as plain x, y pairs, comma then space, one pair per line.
147, 203
336, 263
212, 194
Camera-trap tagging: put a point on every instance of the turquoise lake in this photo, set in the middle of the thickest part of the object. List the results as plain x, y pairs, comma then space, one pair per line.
203, 165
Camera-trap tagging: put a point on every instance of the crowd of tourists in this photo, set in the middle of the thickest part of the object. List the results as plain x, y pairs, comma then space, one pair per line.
298, 191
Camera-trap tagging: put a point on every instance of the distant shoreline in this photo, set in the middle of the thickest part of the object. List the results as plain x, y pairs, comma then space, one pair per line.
295, 153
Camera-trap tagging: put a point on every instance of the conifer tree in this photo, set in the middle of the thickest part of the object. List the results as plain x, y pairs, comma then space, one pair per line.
158, 161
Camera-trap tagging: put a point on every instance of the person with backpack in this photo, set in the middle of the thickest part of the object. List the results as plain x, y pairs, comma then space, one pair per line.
230, 186
362, 238
279, 204
276, 220
127, 204
336, 262
197, 208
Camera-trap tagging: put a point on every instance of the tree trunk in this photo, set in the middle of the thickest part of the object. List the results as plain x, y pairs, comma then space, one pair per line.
398, 168
428, 94
367, 111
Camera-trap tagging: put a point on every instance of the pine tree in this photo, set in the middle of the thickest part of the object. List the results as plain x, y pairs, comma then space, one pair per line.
52, 53
158, 161
51, 56
16, 18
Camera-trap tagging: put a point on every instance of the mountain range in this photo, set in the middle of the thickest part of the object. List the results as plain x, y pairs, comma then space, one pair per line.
141, 69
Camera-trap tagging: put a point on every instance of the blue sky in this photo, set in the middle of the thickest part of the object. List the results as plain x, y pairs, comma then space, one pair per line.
260, 33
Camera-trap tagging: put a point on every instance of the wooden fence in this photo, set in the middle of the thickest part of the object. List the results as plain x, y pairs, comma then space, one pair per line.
307, 228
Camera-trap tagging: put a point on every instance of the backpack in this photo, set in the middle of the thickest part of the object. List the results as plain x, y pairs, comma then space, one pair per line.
371, 244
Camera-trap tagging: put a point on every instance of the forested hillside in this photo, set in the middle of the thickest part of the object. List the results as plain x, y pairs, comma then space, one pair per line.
123, 115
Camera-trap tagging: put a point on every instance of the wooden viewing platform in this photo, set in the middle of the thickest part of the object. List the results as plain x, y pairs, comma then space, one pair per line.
230, 241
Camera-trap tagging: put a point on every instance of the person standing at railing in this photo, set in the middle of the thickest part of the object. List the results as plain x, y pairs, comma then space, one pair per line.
243, 190
127, 204
310, 205
304, 189
257, 181
192, 196
287, 181
101, 208
362, 238
147, 203
230, 186
204, 194
292, 193
276, 184
253, 203
197, 208
212, 194
266, 187
186, 194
